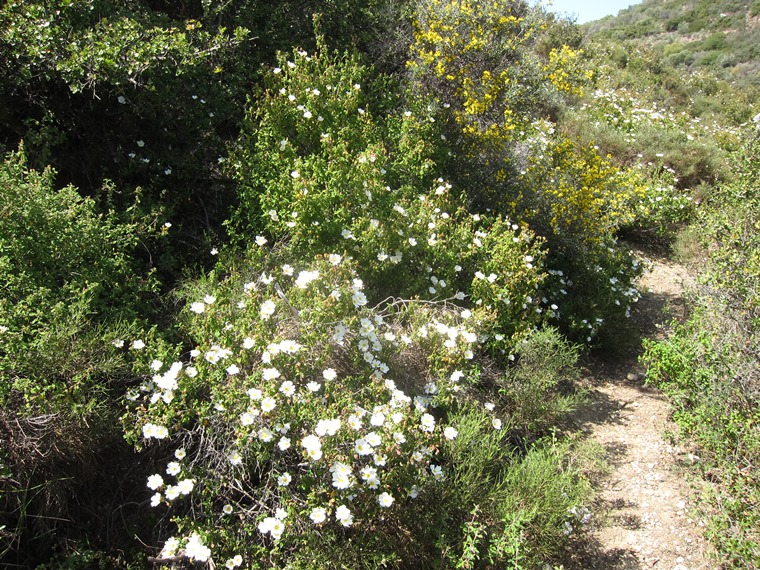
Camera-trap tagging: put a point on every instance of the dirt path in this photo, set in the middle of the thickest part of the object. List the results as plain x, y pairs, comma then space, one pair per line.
643, 518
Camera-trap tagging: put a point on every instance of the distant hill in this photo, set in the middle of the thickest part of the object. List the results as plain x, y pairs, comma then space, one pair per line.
722, 35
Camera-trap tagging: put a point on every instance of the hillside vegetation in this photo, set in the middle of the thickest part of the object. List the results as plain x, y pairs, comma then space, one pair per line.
304, 285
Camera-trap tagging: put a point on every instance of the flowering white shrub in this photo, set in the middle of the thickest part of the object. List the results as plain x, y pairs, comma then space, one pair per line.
325, 411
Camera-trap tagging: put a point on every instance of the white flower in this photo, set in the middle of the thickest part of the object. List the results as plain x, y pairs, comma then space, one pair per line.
284, 443
354, 422
248, 343
284, 480
318, 515
327, 427
236, 458
141, 143
155, 500
373, 439
118, 343
170, 548
121, 99
155, 482
341, 475
266, 435
362, 447
385, 500
295, 174
138, 344
232, 369
334, 259
359, 299
427, 423
172, 492
306, 277
185, 486
227, 509
156, 431
344, 516
329, 374
273, 526
313, 447
270, 373
180, 453
247, 418
214, 251
260, 240
450, 433
399, 437
173, 468
313, 386
268, 404
496, 423
267, 309
436, 471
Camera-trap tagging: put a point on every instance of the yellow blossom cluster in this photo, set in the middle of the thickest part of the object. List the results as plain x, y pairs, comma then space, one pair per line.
566, 72
468, 48
581, 194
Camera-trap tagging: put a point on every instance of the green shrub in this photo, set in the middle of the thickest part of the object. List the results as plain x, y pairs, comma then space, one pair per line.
67, 280
328, 152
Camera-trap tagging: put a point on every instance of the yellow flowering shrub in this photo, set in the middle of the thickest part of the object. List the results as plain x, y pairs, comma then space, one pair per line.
575, 194
479, 58
566, 72
473, 54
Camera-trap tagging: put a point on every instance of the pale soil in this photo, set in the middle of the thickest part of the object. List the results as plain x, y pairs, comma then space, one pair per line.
644, 517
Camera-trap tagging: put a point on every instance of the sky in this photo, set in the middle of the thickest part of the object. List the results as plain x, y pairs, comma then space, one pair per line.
587, 10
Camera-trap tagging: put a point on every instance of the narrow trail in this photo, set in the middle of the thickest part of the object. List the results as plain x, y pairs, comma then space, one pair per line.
644, 516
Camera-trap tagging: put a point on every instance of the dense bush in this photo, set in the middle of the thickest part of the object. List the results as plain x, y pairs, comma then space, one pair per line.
327, 174
275, 457
68, 278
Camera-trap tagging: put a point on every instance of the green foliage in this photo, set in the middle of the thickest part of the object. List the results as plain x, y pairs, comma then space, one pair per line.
719, 36
317, 147
68, 279
539, 390
374, 339
65, 271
